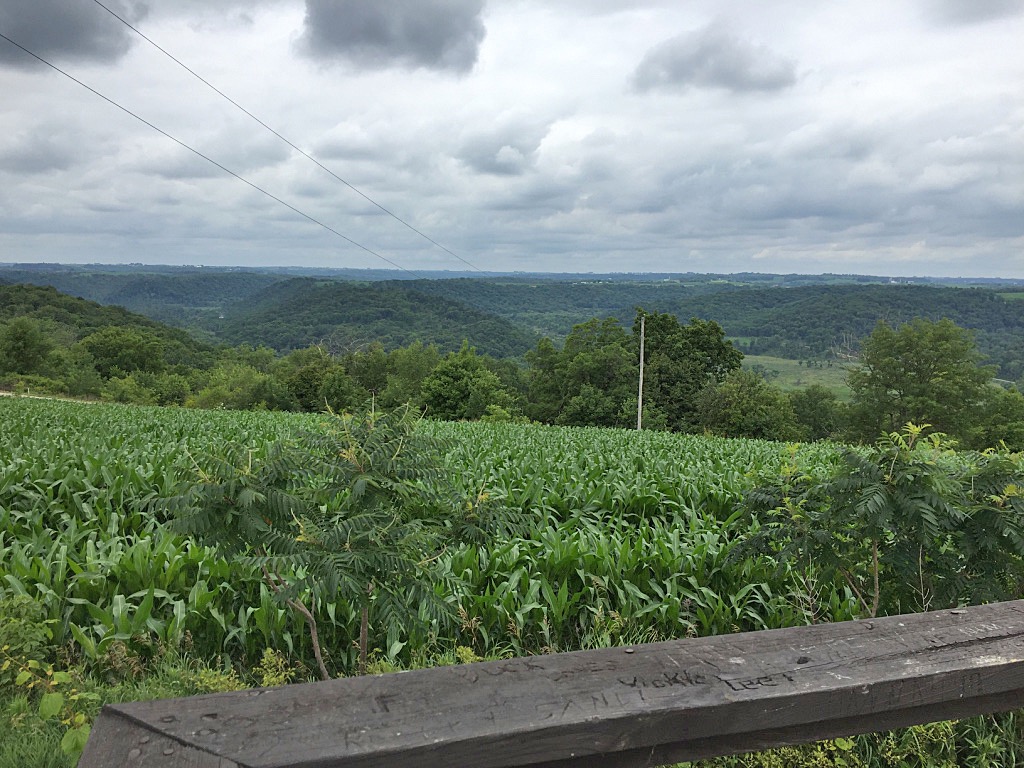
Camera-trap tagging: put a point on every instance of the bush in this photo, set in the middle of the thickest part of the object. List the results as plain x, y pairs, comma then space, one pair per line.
25, 635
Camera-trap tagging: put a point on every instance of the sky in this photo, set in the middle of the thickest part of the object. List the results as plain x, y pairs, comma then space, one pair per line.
881, 137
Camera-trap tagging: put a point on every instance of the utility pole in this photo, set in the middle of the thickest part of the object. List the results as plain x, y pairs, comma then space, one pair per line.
640, 391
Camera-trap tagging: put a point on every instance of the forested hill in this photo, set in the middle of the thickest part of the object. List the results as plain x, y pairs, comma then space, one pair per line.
69, 319
815, 320
786, 316
345, 315
182, 297
552, 307
799, 322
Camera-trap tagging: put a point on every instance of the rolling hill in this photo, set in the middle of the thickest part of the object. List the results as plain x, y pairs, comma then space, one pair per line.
346, 315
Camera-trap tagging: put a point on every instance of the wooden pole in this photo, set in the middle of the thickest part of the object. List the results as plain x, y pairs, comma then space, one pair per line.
640, 391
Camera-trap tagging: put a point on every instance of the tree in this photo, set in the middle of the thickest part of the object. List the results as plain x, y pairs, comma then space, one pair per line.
745, 405
681, 361
260, 358
24, 346
596, 375
170, 388
340, 391
461, 387
1000, 421
512, 376
369, 369
346, 514
906, 525
120, 350
543, 386
592, 381
78, 371
817, 411
304, 372
926, 372
592, 407
371, 525
408, 367
241, 387
128, 389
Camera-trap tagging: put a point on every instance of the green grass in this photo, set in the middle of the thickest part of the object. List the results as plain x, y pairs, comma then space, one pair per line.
793, 374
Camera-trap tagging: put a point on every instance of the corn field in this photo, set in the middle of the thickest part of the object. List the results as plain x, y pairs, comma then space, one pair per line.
632, 538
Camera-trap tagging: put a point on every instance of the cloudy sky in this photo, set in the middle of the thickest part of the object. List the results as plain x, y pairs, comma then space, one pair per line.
878, 136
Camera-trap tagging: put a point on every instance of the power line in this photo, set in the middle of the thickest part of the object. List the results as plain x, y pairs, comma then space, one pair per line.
302, 152
211, 160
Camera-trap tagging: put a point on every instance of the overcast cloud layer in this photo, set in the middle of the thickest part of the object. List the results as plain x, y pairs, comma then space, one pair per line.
874, 137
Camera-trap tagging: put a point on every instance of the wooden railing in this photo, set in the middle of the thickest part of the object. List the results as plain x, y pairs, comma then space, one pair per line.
644, 705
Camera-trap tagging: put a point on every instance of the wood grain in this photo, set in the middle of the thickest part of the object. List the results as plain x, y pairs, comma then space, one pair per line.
643, 705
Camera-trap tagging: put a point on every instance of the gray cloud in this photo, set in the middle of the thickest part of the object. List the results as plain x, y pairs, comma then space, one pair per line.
35, 153
972, 11
61, 30
433, 34
508, 151
159, 159
713, 58
192, 9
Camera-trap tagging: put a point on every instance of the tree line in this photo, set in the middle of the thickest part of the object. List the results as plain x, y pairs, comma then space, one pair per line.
764, 318
789, 316
924, 371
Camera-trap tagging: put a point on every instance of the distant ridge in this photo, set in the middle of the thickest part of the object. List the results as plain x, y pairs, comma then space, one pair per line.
797, 317
369, 274
297, 312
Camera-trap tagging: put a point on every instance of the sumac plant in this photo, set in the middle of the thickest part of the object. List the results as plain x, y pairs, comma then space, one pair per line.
906, 525
349, 512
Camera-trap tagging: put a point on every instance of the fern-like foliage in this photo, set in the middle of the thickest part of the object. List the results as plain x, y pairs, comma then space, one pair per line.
906, 525
992, 544
238, 502
358, 510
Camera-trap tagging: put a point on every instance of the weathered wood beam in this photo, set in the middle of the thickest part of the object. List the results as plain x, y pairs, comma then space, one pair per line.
644, 705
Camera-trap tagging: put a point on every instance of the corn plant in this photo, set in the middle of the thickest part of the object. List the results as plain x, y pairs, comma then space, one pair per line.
553, 538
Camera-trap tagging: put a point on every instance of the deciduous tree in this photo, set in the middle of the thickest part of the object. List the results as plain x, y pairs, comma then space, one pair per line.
24, 346
596, 375
924, 372
681, 361
906, 525
543, 387
120, 350
408, 367
745, 405
355, 512
817, 411
461, 387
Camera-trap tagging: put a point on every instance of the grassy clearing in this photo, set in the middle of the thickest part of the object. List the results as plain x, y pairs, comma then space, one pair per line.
794, 374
